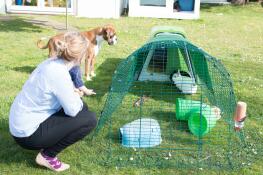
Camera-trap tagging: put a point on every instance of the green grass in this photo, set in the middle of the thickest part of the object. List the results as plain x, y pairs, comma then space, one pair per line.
232, 34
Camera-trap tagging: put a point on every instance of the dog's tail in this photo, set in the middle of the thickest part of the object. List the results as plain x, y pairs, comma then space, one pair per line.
39, 45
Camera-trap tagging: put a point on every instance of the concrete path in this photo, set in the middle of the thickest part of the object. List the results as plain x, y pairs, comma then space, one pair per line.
45, 21
40, 20
5, 18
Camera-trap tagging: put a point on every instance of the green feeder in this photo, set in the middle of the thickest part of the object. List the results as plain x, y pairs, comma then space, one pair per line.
200, 124
184, 108
191, 110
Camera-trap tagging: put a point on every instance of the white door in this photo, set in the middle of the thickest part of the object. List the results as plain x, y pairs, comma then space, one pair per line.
39, 6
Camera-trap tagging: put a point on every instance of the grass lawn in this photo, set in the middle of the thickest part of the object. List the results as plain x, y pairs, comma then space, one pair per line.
232, 34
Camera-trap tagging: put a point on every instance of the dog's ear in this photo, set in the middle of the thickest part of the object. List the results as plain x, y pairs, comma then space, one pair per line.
107, 28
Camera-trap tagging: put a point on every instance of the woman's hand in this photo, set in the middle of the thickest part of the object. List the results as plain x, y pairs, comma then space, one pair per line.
79, 92
89, 92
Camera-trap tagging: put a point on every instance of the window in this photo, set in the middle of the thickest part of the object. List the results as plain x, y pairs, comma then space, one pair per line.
160, 3
39, 6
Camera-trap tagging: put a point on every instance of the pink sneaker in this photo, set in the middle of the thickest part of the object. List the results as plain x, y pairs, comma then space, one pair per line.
51, 163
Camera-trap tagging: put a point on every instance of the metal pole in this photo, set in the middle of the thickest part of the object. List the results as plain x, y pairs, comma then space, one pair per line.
66, 14
5, 7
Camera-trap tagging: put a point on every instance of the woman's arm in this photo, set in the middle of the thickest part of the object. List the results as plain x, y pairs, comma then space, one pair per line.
63, 89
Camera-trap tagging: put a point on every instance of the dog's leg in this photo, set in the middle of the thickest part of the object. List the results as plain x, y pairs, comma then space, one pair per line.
92, 73
87, 68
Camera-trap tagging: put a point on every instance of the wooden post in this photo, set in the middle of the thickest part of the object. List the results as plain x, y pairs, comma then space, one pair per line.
66, 14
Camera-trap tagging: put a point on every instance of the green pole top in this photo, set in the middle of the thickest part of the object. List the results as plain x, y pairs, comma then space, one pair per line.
167, 29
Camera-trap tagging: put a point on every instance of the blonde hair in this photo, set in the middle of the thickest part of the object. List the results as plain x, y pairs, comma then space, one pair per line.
72, 47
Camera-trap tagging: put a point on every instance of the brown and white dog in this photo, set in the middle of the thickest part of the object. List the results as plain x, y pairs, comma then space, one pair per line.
95, 37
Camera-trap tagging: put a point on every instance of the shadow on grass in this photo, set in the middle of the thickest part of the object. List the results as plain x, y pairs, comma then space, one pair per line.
24, 69
210, 6
159, 91
10, 151
18, 24
102, 81
219, 7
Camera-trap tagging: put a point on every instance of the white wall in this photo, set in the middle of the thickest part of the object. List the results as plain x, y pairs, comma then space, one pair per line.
99, 8
2, 7
136, 10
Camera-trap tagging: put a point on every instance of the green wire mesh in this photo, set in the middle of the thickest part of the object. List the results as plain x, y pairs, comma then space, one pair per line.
131, 98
